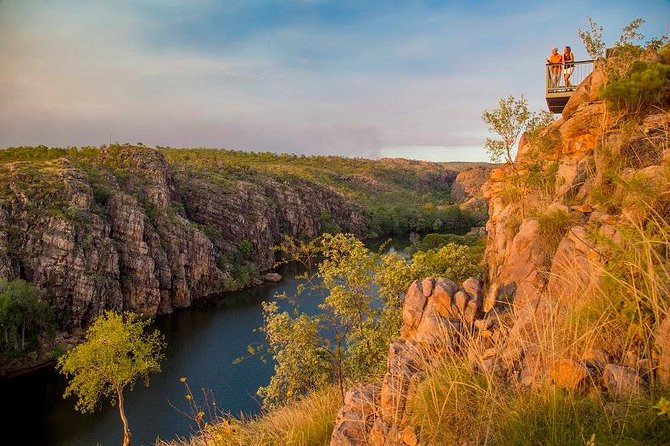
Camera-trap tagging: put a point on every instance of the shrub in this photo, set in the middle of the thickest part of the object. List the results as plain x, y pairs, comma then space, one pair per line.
553, 226
455, 262
245, 249
647, 84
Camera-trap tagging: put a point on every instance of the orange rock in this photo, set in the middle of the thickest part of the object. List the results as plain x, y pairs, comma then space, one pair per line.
569, 374
409, 437
583, 208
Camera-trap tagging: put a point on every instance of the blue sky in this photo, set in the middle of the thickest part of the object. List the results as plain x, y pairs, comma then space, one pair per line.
352, 78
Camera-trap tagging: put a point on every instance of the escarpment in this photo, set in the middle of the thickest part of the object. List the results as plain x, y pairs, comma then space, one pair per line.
149, 230
582, 195
123, 231
603, 180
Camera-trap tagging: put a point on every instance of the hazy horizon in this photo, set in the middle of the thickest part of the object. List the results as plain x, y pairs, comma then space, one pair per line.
356, 79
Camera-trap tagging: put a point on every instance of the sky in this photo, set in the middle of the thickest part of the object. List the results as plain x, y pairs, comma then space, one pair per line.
350, 77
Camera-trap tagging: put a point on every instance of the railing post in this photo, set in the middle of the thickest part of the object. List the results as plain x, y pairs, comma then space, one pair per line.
547, 76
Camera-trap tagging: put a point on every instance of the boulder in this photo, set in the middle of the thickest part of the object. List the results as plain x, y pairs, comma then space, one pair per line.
621, 381
409, 437
522, 265
575, 269
355, 418
587, 92
595, 358
412, 309
272, 277
569, 374
442, 297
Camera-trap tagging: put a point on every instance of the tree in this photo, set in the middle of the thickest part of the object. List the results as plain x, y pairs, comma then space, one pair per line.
22, 310
115, 353
508, 121
358, 317
624, 52
360, 314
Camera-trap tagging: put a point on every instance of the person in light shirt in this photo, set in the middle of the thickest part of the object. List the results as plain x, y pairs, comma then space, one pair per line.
554, 64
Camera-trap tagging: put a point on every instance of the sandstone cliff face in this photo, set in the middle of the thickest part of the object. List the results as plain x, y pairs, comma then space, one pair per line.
468, 183
547, 250
123, 232
579, 158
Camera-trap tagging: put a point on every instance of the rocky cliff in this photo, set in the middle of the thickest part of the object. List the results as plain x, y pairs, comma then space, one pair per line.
146, 230
579, 193
603, 180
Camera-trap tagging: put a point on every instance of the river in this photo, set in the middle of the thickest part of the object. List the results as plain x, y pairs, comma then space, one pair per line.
202, 343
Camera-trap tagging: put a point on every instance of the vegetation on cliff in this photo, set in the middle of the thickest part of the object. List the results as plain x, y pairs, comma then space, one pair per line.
145, 230
579, 281
347, 340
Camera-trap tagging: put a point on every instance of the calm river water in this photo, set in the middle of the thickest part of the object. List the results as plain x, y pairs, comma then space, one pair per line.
202, 343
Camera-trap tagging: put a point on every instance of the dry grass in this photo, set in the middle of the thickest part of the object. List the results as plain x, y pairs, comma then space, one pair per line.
620, 314
307, 422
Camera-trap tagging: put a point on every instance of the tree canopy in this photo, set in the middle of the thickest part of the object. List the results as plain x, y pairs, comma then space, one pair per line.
116, 352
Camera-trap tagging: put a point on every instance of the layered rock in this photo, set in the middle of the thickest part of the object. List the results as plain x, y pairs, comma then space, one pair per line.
438, 316
121, 231
543, 281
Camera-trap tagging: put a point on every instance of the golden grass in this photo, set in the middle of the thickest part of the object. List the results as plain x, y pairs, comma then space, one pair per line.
307, 422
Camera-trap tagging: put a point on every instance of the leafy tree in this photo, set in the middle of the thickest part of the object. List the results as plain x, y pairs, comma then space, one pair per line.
507, 122
116, 352
456, 262
23, 314
359, 316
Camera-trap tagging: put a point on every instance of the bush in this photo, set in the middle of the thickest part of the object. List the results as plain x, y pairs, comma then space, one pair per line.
647, 84
452, 261
436, 241
553, 226
245, 249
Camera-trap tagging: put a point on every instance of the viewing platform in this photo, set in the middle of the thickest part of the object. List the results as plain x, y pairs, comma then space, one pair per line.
557, 93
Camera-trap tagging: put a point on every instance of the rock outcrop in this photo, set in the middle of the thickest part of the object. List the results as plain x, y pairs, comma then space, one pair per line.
438, 316
468, 183
123, 231
548, 247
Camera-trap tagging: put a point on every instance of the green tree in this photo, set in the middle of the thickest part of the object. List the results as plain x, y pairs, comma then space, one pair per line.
507, 122
453, 261
359, 316
23, 314
116, 352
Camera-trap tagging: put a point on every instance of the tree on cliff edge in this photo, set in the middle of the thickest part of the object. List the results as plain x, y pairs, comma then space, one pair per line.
115, 353
508, 121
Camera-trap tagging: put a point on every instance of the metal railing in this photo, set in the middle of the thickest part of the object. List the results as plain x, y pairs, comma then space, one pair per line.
555, 74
